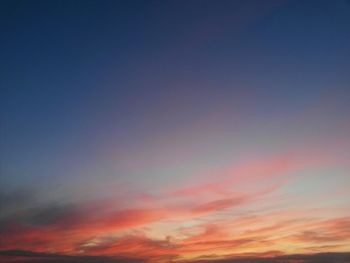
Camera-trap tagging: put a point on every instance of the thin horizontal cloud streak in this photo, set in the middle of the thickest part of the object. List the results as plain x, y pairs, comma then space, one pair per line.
20, 256
32, 257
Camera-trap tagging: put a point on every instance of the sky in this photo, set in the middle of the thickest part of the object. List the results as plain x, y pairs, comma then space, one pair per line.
174, 131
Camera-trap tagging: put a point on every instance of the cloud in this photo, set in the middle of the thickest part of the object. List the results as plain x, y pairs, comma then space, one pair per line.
108, 228
325, 231
135, 244
218, 205
315, 237
313, 258
22, 256
155, 250
13, 200
250, 176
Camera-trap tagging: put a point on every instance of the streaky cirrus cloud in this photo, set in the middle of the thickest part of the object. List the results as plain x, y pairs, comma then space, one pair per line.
199, 214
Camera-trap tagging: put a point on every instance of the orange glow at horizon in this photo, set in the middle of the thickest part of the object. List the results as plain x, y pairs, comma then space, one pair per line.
210, 220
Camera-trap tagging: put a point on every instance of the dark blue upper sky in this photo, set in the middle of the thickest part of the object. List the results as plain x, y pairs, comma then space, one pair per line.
80, 77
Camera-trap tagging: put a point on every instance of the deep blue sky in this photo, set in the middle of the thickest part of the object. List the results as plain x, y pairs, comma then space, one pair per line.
89, 84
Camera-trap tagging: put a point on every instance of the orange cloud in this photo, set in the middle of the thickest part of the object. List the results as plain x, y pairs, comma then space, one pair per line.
106, 228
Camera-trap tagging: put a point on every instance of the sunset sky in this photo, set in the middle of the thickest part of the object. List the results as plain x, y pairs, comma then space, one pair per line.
174, 131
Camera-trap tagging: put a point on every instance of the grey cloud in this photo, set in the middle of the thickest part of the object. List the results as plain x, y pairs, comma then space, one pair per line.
34, 257
315, 258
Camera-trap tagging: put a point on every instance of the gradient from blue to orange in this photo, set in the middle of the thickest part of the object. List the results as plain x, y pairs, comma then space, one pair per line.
175, 130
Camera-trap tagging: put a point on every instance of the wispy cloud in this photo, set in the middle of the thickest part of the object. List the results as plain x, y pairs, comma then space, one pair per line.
201, 218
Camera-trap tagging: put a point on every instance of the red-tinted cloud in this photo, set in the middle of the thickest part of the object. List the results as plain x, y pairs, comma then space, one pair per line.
109, 229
